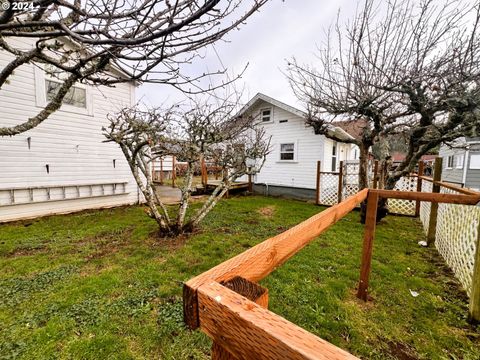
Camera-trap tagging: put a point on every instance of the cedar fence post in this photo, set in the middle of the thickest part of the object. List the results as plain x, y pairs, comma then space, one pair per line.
419, 186
375, 175
340, 183
474, 306
174, 171
368, 237
203, 171
432, 223
317, 186
251, 291
153, 170
161, 171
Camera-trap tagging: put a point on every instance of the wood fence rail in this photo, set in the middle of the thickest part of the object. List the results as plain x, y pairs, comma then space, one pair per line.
238, 320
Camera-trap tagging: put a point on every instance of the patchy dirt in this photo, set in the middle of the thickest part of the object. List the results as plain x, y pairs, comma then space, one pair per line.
352, 299
157, 239
28, 251
105, 243
401, 351
267, 211
444, 275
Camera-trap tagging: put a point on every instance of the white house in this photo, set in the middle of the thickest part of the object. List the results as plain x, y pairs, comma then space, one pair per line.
62, 165
290, 168
461, 162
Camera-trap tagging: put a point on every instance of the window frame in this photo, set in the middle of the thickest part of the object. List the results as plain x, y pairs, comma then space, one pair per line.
334, 159
294, 152
450, 161
476, 155
459, 160
41, 78
270, 117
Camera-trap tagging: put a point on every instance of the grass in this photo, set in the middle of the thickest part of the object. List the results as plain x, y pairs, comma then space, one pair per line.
100, 285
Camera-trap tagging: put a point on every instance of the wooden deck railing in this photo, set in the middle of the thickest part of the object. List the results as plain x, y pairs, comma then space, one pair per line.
226, 303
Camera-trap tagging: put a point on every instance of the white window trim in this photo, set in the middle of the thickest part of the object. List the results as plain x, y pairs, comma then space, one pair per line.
458, 163
295, 152
271, 116
453, 162
41, 95
472, 166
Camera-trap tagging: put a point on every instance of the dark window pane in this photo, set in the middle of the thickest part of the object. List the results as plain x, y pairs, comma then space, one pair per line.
334, 163
286, 156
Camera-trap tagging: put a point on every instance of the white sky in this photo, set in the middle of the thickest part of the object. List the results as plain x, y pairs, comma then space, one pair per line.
280, 30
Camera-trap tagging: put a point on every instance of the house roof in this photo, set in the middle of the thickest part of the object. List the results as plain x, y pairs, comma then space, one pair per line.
272, 101
398, 156
352, 127
335, 128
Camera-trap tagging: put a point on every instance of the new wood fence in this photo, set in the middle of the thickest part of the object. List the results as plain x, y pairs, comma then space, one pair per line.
227, 304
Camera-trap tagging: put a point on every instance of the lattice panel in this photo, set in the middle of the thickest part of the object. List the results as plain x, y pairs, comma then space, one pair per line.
425, 206
350, 179
328, 189
403, 207
456, 238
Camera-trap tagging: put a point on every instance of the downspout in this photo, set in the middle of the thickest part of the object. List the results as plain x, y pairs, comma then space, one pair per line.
465, 163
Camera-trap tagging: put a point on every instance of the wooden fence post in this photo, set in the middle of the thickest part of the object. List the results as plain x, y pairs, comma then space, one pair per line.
161, 171
419, 186
375, 175
340, 183
317, 187
251, 291
174, 171
368, 237
474, 307
203, 171
432, 222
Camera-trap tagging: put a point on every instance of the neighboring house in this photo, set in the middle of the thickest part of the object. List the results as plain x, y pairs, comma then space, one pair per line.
62, 165
461, 162
428, 161
290, 169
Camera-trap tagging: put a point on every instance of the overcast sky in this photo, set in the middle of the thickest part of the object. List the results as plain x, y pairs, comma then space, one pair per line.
281, 29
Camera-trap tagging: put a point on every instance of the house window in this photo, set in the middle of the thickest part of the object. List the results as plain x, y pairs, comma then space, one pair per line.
334, 156
459, 161
450, 162
266, 115
474, 161
287, 151
75, 96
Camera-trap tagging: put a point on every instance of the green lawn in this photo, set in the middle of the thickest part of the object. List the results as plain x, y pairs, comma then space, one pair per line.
100, 285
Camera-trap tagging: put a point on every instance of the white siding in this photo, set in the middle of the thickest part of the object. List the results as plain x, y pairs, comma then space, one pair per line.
308, 146
70, 143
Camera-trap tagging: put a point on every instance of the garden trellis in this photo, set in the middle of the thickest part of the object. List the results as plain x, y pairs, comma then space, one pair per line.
226, 303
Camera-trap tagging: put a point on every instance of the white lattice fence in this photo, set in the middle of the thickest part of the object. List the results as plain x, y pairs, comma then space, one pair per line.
328, 189
456, 238
425, 206
403, 207
350, 179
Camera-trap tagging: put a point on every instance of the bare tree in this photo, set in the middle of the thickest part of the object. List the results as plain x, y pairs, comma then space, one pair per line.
104, 42
406, 67
203, 129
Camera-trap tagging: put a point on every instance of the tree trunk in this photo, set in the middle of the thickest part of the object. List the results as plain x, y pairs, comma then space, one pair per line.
363, 168
186, 191
363, 178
